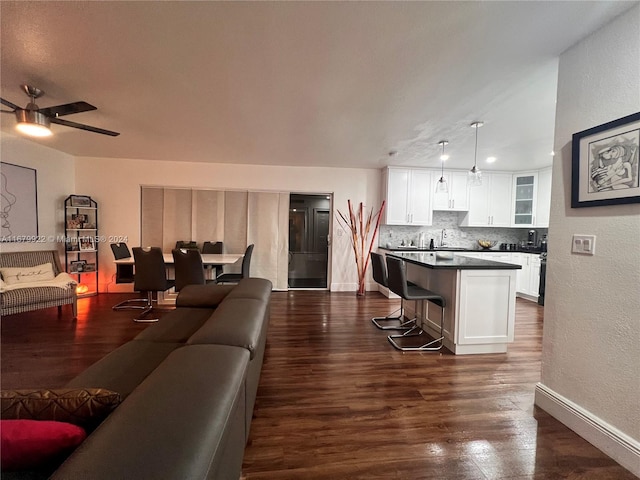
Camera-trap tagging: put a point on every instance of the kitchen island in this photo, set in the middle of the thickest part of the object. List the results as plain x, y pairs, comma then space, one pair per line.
480, 296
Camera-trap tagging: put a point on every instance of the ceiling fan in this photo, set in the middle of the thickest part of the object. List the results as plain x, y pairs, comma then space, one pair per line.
35, 121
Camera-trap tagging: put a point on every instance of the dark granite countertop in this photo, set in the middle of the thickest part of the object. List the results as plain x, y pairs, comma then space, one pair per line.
458, 249
458, 262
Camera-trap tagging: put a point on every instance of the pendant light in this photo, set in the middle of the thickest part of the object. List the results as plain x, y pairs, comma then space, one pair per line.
475, 175
441, 185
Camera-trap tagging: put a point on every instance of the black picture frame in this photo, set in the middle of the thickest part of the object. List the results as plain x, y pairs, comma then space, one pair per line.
80, 201
78, 266
604, 164
87, 244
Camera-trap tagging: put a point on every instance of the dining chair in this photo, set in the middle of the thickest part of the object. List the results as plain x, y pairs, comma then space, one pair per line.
398, 284
216, 248
190, 244
150, 277
188, 267
244, 273
125, 274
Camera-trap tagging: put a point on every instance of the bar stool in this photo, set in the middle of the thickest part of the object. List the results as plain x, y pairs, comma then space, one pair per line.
380, 276
398, 284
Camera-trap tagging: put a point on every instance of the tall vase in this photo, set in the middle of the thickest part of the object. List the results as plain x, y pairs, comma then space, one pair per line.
361, 287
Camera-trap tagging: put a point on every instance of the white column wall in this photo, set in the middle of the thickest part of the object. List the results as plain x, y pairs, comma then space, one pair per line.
115, 184
591, 340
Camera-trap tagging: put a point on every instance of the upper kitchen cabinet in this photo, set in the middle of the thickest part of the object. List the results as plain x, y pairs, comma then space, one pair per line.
408, 196
457, 197
490, 203
525, 186
543, 205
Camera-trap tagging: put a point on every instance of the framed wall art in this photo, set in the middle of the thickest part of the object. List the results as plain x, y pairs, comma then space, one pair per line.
18, 203
605, 164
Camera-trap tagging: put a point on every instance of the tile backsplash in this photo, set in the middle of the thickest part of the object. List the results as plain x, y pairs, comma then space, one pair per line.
454, 234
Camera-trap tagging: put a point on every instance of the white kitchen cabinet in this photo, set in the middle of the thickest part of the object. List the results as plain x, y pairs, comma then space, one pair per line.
528, 279
490, 203
525, 186
408, 196
543, 205
457, 196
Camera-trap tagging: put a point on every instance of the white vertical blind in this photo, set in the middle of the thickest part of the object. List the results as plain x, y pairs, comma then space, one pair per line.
267, 228
207, 216
237, 218
176, 217
151, 216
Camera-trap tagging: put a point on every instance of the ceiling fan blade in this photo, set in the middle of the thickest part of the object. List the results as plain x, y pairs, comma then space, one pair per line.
7, 103
88, 128
67, 109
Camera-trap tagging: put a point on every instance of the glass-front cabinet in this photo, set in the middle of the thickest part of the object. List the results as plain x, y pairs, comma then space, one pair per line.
524, 199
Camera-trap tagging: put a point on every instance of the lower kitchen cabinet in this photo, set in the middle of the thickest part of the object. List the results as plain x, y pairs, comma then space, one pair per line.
527, 279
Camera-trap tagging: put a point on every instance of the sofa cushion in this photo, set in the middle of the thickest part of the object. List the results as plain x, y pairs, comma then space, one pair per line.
176, 326
26, 275
207, 296
238, 322
123, 369
256, 288
85, 407
30, 444
174, 425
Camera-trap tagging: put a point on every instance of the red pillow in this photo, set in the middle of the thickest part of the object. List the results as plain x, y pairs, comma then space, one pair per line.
29, 444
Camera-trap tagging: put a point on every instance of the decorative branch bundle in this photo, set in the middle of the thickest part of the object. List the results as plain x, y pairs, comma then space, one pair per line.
360, 231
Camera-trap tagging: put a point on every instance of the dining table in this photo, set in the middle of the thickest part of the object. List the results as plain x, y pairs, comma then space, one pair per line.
208, 260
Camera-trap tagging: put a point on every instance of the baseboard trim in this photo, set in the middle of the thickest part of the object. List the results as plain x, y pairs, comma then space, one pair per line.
618, 445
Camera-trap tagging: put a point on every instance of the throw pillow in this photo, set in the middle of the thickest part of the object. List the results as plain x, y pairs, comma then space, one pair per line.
85, 407
30, 444
37, 273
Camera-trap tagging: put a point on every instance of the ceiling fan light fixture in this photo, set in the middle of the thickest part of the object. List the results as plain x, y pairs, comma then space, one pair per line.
475, 175
33, 123
441, 185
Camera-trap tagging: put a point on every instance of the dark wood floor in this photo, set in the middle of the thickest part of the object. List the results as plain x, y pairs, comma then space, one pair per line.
337, 402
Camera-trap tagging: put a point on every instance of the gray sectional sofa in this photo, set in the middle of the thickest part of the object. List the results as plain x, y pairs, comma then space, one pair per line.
188, 385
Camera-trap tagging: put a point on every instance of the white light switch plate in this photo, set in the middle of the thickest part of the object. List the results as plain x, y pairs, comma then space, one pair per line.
584, 244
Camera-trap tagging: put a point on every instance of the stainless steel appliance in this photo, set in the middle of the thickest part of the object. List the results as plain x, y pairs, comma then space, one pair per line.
543, 277
532, 238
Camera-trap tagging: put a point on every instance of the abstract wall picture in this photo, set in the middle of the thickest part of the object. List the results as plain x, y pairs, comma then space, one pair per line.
18, 203
605, 164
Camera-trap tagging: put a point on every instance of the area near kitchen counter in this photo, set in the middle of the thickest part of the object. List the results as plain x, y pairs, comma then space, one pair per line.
480, 296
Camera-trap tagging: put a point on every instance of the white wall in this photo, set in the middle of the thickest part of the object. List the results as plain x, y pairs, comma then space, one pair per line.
115, 184
55, 179
591, 341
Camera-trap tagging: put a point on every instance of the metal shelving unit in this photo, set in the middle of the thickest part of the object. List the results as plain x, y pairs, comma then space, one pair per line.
81, 242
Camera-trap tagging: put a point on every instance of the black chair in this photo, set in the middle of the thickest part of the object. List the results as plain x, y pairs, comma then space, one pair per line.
150, 277
188, 267
216, 248
236, 277
124, 274
398, 284
380, 276
190, 244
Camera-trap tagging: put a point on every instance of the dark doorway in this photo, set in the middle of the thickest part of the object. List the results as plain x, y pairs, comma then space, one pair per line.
309, 219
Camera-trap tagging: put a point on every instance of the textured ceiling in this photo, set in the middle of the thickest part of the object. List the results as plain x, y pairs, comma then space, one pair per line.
299, 83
